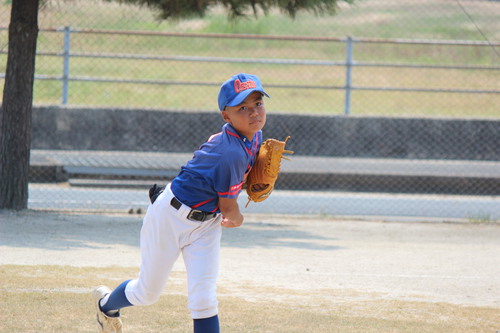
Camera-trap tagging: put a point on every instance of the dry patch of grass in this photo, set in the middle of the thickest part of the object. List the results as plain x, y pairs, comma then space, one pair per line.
58, 299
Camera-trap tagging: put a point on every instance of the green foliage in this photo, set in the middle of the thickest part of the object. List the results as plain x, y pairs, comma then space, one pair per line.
174, 9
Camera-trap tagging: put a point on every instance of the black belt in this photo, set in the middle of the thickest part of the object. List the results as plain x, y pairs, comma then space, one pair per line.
194, 214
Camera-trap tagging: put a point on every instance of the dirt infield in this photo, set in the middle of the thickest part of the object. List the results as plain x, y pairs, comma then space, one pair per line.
333, 260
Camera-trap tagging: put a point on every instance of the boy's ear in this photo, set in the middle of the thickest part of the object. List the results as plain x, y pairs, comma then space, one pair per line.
225, 116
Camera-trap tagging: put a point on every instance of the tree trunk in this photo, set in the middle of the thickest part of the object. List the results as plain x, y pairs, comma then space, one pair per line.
15, 114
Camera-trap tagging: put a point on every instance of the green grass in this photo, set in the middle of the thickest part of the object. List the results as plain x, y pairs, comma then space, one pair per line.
379, 19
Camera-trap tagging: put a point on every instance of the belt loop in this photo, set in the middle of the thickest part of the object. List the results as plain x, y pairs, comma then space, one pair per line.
175, 203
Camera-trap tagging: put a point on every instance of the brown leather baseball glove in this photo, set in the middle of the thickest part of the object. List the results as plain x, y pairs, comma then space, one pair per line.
264, 173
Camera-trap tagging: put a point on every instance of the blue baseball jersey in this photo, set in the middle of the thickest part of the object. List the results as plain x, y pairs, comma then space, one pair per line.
218, 169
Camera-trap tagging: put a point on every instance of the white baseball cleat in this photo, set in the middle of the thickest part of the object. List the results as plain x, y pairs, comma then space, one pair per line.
106, 324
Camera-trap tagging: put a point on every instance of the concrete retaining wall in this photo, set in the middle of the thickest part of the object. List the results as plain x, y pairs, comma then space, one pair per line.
339, 136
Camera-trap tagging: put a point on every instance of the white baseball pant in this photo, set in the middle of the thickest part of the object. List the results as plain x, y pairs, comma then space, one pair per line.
165, 233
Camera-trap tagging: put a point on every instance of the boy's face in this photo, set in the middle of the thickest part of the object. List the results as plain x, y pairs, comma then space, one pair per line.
249, 117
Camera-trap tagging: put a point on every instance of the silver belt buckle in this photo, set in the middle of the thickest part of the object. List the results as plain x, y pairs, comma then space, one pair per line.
196, 213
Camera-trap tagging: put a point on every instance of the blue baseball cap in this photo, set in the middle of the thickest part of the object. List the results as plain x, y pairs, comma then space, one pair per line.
234, 91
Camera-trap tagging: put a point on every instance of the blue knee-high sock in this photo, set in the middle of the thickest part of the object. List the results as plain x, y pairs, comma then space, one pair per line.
117, 299
206, 325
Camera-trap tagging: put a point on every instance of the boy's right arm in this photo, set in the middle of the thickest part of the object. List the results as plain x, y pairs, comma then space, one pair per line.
231, 215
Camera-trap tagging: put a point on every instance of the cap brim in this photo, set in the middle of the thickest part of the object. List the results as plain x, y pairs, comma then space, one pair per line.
243, 95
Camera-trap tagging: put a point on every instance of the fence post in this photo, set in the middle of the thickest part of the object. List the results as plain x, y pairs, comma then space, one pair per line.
65, 76
348, 65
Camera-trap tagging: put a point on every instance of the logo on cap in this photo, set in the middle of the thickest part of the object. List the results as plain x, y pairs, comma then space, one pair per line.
240, 86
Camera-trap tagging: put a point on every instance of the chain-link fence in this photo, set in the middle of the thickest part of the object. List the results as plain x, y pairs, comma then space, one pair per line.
385, 97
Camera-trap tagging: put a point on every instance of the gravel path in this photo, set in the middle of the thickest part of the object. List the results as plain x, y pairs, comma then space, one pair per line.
312, 259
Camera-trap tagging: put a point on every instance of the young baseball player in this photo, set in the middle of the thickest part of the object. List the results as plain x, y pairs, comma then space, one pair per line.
187, 216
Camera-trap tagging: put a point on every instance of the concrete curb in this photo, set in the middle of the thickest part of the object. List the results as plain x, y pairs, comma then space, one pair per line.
141, 169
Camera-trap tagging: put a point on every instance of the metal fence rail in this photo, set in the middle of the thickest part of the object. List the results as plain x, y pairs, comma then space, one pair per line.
349, 63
